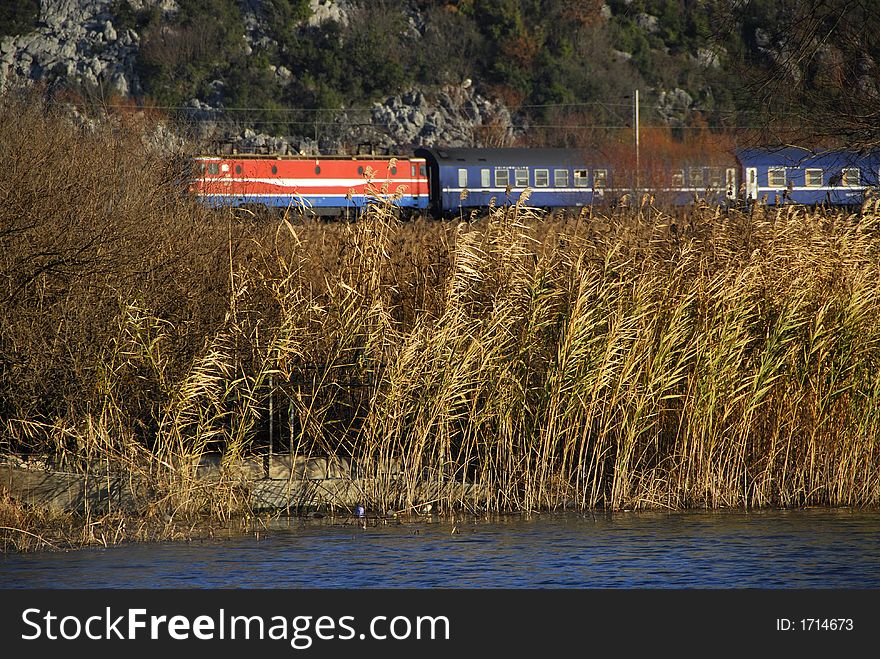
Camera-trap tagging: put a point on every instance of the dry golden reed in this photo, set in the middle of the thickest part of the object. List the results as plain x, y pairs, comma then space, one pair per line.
622, 358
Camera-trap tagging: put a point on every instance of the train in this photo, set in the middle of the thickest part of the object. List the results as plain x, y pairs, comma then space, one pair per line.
449, 182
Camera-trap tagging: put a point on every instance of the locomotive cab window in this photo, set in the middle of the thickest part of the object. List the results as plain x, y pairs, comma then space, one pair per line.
677, 177
813, 178
274, 169
485, 178
422, 170
696, 177
238, 169
522, 177
201, 168
542, 178
213, 168
462, 178
851, 176
581, 178
776, 177
502, 178
560, 178
600, 178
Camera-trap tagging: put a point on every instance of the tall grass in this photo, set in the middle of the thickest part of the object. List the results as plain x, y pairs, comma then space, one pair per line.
622, 358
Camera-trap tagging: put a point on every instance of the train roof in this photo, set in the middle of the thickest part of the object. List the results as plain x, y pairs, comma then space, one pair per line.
799, 157
507, 156
279, 156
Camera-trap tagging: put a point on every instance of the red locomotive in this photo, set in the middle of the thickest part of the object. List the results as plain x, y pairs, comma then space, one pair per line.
320, 185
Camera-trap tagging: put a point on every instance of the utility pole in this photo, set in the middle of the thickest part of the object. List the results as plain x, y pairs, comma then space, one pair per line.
636, 124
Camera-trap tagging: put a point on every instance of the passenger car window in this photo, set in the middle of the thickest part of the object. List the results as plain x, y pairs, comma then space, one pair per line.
776, 177
851, 176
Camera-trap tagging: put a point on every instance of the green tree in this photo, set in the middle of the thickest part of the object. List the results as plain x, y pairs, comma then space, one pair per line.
181, 57
811, 68
18, 17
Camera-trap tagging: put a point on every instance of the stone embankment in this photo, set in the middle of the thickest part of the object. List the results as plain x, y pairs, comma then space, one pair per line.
276, 483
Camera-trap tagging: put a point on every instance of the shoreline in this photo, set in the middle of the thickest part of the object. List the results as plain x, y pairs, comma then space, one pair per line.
37, 517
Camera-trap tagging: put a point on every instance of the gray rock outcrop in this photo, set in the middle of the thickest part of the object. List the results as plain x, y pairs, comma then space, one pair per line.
328, 10
674, 106
75, 40
452, 116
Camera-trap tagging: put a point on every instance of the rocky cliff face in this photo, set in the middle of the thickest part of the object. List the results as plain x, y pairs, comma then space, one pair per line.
84, 43
95, 46
76, 41
453, 117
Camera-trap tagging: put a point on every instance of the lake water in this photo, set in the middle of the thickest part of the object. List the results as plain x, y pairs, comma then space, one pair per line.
814, 548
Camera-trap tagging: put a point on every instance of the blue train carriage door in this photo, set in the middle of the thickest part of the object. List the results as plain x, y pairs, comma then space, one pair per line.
751, 183
852, 179
600, 182
730, 183
872, 167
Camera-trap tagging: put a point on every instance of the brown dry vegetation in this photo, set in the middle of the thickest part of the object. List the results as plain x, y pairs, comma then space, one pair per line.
619, 359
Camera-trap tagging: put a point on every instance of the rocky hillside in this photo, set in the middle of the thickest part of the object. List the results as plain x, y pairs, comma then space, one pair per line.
75, 41
309, 75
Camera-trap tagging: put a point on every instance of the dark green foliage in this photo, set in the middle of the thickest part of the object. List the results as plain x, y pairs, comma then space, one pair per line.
543, 55
180, 59
339, 65
125, 17
18, 16
284, 16
436, 58
809, 69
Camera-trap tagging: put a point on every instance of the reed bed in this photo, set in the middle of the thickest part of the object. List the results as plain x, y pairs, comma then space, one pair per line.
620, 358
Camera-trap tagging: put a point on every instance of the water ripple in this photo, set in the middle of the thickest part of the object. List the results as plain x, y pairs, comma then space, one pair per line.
772, 549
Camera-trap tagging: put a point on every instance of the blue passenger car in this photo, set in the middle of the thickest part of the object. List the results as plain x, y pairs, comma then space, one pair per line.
683, 183
464, 179
800, 176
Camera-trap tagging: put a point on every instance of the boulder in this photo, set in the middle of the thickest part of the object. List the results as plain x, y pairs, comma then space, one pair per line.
109, 32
